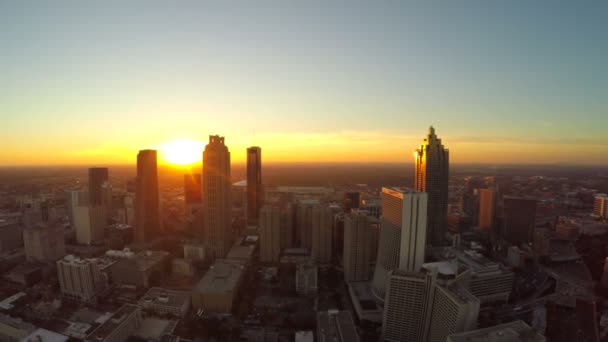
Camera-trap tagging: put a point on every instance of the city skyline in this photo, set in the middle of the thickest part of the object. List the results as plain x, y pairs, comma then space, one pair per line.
504, 84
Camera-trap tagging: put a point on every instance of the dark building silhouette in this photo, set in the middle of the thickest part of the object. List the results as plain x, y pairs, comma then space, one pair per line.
518, 221
147, 206
97, 177
216, 198
192, 188
352, 200
254, 184
431, 175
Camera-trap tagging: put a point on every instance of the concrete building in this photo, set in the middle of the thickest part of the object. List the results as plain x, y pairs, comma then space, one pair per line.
194, 251
487, 208
402, 234
148, 223
79, 279
516, 331
304, 222
217, 290
364, 302
123, 324
166, 302
270, 234
11, 235
90, 223
336, 326
307, 279
255, 193
216, 198
14, 329
600, 206
352, 200
322, 224
373, 206
455, 309
144, 269
519, 220
44, 242
182, 267
431, 174
357, 247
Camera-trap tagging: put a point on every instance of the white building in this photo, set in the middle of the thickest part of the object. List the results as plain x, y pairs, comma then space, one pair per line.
79, 279
89, 223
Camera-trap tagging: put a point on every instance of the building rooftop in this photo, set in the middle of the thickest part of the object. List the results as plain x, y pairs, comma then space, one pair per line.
397, 191
516, 331
160, 296
334, 325
43, 335
102, 332
222, 276
241, 252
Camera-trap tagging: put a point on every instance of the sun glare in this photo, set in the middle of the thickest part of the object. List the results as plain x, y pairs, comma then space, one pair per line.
182, 152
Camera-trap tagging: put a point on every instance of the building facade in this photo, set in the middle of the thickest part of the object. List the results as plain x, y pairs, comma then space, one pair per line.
600, 206
44, 242
270, 234
322, 224
519, 220
487, 208
255, 193
148, 224
307, 279
431, 175
357, 247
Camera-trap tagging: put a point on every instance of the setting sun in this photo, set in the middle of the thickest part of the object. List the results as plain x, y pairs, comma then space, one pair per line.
182, 152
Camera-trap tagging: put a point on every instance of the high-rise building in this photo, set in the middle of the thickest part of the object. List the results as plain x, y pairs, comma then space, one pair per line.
431, 175
44, 242
307, 279
287, 226
255, 194
455, 309
216, 198
304, 222
98, 176
322, 223
147, 201
402, 234
519, 220
352, 200
270, 234
90, 223
357, 247
79, 278
600, 206
487, 208
192, 188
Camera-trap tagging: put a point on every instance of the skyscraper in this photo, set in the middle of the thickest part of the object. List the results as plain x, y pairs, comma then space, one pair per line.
322, 223
192, 188
431, 175
98, 176
254, 184
270, 233
519, 220
304, 222
356, 251
402, 234
487, 208
216, 197
147, 201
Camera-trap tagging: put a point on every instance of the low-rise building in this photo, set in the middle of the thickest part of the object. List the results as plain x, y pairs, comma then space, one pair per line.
217, 290
79, 279
166, 302
14, 329
144, 269
336, 326
516, 331
123, 324
183, 267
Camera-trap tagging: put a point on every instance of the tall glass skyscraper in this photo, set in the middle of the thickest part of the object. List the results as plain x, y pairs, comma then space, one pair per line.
431, 175
147, 205
254, 184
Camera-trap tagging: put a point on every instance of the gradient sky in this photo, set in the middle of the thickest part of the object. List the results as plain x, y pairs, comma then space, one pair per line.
85, 82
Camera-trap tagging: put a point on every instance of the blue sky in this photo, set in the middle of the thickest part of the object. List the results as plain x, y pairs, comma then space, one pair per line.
335, 80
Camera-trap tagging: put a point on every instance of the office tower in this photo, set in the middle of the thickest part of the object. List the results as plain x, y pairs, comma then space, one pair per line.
11, 235
254, 184
352, 200
470, 205
44, 242
408, 306
76, 198
357, 247
270, 234
402, 234
304, 222
600, 206
287, 226
98, 176
322, 224
147, 201
307, 282
431, 175
336, 326
89, 223
79, 279
519, 219
454, 310
192, 188
216, 198
487, 208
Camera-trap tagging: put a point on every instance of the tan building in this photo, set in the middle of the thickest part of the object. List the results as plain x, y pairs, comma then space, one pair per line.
89, 223
79, 279
216, 198
44, 242
487, 208
123, 324
600, 206
217, 290
270, 234
357, 247
322, 224
144, 269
